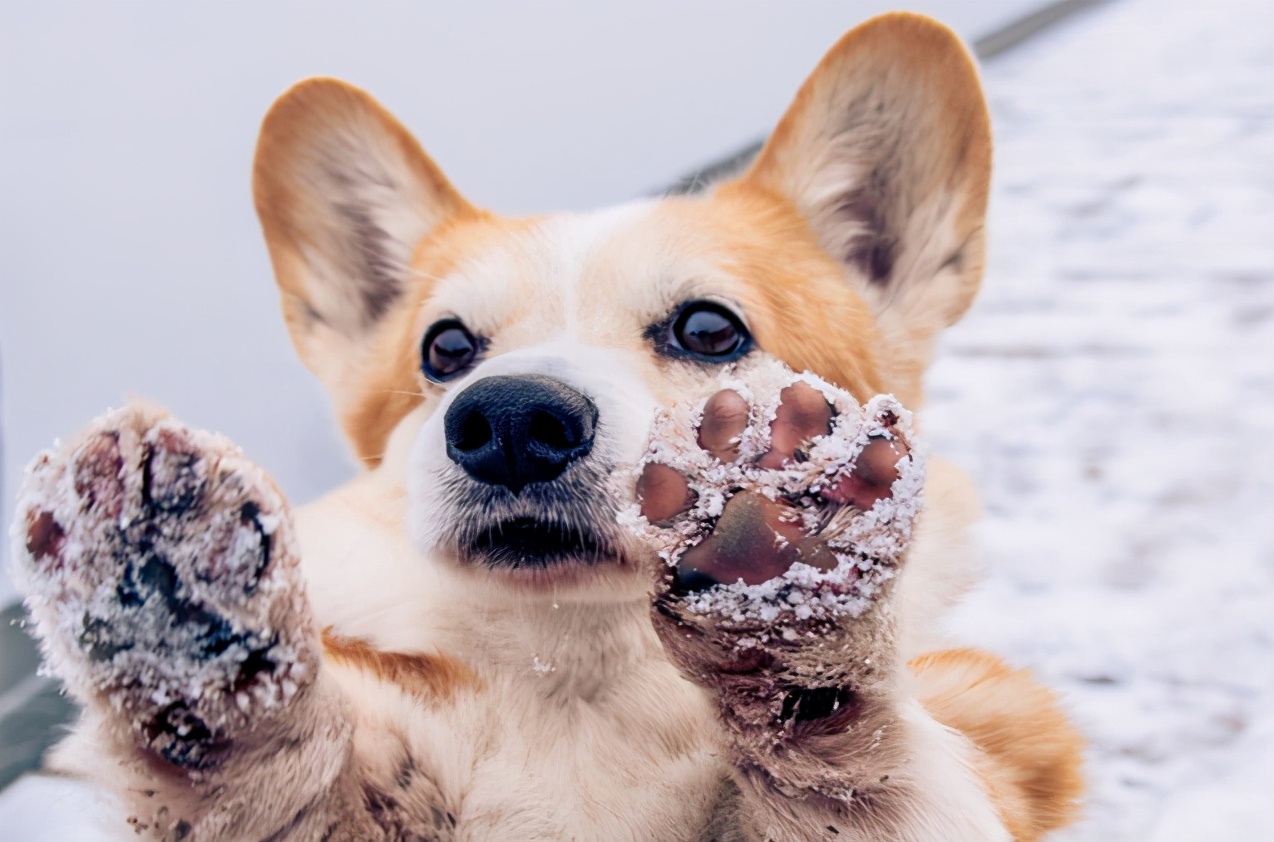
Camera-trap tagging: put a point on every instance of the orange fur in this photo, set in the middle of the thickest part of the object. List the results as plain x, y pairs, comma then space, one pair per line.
284, 150
434, 677
391, 385
299, 159
1031, 756
799, 306
909, 91
782, 278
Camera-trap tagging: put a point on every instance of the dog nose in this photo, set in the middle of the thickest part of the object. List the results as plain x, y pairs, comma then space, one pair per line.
513, 431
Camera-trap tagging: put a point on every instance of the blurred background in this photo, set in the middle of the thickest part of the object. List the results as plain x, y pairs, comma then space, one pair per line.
1112, 392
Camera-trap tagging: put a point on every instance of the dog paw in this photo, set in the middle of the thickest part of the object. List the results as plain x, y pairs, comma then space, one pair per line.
161, 574
782, 508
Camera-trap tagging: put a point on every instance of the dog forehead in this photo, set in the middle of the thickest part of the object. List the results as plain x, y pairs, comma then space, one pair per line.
553, 253
575, 239
581, 274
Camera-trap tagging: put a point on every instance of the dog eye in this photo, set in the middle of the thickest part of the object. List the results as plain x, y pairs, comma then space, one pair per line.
709, 330
447, 350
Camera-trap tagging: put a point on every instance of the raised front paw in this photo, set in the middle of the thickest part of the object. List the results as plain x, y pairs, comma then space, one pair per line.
160, 570
782, 508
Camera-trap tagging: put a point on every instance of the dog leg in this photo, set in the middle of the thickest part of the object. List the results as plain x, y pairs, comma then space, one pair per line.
161, 573
784, 511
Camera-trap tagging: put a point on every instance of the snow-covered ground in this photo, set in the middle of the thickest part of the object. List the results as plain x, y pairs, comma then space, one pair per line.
1113, 394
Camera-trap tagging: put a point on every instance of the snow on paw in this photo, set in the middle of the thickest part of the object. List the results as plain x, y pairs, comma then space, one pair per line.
782, 509
160, 571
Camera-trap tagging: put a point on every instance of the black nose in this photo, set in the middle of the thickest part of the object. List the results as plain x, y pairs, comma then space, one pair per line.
514, 431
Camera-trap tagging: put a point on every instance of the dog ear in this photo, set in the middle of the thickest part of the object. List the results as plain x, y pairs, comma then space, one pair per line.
345, 194
886, 151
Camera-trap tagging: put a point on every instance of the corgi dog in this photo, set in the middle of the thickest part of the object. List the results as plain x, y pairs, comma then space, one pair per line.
638, 552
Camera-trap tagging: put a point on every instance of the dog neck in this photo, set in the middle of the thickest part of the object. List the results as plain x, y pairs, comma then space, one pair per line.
561, 646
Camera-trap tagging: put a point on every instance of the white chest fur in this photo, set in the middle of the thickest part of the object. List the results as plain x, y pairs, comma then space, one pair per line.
576, 727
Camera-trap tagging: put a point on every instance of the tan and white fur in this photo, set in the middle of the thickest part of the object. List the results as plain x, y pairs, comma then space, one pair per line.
452, 700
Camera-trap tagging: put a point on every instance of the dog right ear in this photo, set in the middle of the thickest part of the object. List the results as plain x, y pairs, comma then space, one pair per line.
345, 195
886, 153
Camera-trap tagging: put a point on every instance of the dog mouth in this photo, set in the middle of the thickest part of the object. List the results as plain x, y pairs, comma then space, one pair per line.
529, 542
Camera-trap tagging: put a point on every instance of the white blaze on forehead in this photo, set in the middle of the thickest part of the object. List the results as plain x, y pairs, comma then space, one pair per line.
527, 287
571, 239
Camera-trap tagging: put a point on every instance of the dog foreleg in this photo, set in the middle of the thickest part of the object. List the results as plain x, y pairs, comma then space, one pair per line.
161, 574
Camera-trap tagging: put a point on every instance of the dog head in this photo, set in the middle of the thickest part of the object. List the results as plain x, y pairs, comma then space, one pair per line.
536, 350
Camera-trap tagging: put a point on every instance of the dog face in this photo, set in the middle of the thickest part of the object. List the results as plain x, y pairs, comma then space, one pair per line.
539, 348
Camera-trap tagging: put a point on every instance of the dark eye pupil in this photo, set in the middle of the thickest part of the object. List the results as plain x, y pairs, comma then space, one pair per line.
450, 350
708, 332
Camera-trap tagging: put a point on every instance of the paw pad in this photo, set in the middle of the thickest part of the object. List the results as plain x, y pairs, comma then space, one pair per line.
778, 498
159, 571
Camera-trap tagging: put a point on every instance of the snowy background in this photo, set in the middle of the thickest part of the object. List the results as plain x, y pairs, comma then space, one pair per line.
1112, 391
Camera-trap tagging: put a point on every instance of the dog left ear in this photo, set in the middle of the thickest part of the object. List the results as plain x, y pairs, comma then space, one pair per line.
886, 151
345, 195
